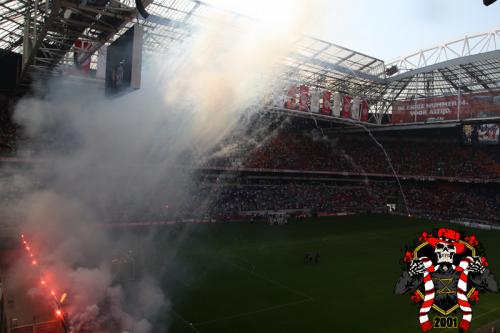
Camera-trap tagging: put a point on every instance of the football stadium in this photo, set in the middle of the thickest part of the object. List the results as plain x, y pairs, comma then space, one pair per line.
225, 166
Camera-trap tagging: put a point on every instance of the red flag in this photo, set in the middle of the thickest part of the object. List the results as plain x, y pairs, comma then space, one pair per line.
81, 47
364, 110
346, 106
304, 98
326, 106
291, 99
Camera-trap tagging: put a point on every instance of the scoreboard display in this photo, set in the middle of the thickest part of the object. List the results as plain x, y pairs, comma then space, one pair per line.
123, 62
481, 134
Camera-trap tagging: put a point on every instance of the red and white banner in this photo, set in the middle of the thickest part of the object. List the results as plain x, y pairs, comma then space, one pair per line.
278, 99
326, 105
315, 96
365, 111
355, 110
81, 48
479, 105
346, 106
337, 104
291, 101
304, 98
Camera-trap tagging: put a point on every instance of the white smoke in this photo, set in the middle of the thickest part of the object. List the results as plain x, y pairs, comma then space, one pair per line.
108, 159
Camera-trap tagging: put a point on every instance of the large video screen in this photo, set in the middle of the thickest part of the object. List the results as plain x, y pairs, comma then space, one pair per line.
481, 134
123, 63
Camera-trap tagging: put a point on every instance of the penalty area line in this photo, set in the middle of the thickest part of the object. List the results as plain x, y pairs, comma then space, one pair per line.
249, 313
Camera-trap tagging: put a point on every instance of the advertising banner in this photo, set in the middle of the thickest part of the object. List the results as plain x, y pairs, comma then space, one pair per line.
478, 105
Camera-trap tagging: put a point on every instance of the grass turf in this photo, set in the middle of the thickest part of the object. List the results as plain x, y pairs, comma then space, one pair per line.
250, 277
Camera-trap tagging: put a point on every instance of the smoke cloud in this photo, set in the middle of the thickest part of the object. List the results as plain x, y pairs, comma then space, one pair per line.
111, 160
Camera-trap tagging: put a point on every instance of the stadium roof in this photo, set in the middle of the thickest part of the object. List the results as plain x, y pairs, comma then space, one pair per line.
469, 64
53, 26
45, 31
466, 65
322, 64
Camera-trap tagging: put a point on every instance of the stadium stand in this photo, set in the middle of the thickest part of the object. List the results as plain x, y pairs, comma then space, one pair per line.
410, 155
296, 151
452, 201
433, 200
436, 174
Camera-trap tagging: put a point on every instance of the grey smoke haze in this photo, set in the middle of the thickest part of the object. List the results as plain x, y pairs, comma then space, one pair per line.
108, 159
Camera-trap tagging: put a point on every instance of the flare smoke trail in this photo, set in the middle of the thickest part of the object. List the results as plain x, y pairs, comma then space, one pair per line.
108, 160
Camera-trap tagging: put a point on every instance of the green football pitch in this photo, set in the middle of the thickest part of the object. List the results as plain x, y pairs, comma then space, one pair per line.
251, 277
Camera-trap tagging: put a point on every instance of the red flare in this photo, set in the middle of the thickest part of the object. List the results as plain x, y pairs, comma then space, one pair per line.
58, 313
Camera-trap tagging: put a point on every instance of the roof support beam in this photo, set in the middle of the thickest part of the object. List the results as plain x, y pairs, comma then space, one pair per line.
446, 64
337, 68
54, 13
91, 9
474, 76
323, 49
367, 65
447, 79
168, 22
103, 40
345, 58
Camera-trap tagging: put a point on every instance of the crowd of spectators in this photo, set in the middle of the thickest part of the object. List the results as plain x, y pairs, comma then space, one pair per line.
435, 200
424, 199
228, 200
233, 200
454, 201
311, 151
301, 150
296, 150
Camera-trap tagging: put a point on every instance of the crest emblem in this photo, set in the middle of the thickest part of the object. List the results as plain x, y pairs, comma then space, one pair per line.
444, 272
